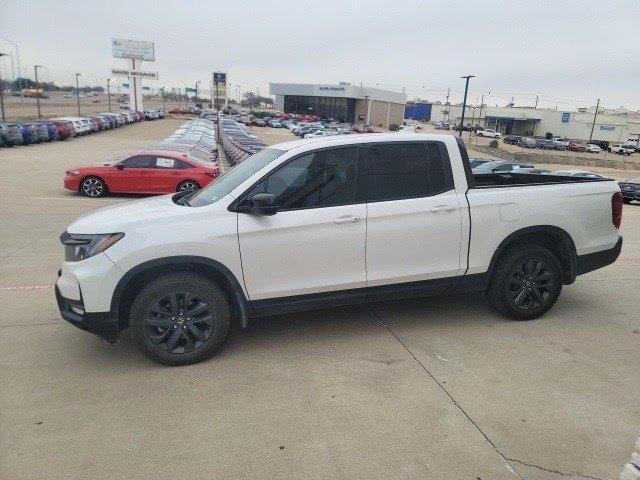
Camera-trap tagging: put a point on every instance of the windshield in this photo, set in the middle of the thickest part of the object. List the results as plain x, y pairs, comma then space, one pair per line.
234, 177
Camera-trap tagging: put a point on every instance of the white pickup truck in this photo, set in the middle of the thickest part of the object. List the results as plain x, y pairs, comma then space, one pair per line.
325, 222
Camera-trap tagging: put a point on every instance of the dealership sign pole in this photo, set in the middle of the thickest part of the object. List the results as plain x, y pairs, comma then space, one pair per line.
136, 51
219, 78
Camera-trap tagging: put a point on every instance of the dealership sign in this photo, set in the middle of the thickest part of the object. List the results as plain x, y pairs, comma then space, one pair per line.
125, 72
331, 88
607, 127
133, 49
566, 116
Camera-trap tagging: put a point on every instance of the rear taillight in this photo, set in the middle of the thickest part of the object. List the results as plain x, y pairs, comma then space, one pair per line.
616, 209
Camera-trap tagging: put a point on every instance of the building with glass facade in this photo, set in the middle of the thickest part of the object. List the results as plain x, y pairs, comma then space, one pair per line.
343, 102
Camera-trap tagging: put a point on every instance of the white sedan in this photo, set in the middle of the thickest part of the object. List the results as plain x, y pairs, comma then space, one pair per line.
489, 133
591, 148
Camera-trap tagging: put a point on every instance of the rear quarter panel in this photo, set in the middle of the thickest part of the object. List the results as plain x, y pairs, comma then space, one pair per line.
583, 210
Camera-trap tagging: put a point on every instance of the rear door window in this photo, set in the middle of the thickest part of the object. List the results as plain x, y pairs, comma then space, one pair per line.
407, 170
140, 161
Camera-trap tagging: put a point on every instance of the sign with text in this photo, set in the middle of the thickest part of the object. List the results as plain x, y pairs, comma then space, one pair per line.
566, 116
219, 77
135, 49
125, 72
609, 128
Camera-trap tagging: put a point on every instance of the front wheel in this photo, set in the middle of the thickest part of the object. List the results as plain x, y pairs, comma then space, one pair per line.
188, 186
93, 187
179, 319
526, 282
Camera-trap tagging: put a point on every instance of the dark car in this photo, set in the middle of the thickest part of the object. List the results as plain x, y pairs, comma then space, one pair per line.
258, 122
502, 167
465, 128
576, 147
511, 139
476, 162
545, 144
29, 134
630, 190
54, 134
41, 131
11, 134
527, 142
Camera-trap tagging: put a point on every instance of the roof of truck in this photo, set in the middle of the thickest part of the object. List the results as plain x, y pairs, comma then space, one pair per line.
334, 140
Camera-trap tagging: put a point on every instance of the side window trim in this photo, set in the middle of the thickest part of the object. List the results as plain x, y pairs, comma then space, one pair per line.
448, 173
240, 201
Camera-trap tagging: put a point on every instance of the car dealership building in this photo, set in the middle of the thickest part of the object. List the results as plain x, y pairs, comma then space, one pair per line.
342, 101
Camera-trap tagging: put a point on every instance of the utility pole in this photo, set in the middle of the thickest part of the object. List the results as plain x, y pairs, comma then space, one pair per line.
464, 102
78, 91
536, 105
480, 116
196, 98
35, 70
448, 107
1, 94
593, 125
109, 92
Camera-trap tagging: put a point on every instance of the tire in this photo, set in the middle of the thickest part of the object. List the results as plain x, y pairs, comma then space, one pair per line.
187, 186
162, 328
626, 200
93, 187
514, 291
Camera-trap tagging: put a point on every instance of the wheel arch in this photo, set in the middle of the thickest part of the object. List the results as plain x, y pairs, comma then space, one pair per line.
557, 240
133, 281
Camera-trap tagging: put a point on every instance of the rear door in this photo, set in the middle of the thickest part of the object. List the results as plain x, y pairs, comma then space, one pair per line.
133, 176
414, 225
166, 173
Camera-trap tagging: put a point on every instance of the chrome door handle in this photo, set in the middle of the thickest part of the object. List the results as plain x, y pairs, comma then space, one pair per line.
347, 219
443, 208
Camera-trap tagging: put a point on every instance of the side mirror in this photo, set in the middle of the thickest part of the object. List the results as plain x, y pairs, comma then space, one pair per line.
264, 204
120, 166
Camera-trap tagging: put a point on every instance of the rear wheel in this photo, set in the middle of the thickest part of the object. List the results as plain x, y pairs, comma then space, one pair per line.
93, 187
179, 319
526, 282
188, 186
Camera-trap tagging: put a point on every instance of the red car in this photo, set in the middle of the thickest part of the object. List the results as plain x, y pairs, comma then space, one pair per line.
258, 122
358, 128
152, 172
371, 129
64, 130
576, 147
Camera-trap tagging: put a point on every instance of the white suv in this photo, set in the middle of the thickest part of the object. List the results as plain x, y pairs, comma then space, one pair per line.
331, 221
487, 132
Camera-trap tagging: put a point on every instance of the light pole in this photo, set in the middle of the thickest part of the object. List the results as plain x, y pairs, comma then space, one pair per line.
464, 102
109, 92
35, 71
78, 90
17, 61
196, 98
2, 94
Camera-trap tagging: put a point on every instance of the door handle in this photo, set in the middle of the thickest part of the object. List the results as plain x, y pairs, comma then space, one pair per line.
176, 173
443, 208
347, 219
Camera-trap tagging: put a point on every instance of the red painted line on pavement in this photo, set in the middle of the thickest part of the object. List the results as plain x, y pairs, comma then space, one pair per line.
5, 288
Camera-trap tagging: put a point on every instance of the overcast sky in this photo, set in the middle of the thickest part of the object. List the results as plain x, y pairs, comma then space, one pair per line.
567, 52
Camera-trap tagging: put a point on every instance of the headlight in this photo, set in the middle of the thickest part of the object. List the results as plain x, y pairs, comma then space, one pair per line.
73, 172
78, 247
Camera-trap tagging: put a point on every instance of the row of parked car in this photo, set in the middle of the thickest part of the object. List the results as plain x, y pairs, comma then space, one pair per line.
559, 143
185, 161
62, 128
237, 140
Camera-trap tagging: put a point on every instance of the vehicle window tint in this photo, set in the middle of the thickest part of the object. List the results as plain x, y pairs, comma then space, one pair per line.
141, 161
320, 179
409, 170
182, 165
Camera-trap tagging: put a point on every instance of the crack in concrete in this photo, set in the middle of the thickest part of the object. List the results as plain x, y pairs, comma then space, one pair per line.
457, 405
557, 472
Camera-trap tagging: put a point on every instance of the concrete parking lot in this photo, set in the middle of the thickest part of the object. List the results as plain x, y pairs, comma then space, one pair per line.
438, 388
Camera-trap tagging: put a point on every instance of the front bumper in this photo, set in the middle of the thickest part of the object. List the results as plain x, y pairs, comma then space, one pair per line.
72, 182
593, 261
632, 194
102, 324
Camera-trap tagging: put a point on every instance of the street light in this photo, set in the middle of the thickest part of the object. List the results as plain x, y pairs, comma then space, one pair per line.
35, 71
1, 93
78, 90
109, 91
196, 97
464, 102
17, 60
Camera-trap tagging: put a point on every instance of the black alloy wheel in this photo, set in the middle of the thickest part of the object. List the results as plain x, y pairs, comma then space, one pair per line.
188, 186
179, 322
530, 285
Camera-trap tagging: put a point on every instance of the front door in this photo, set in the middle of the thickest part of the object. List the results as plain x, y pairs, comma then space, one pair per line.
414, 217
315, 243
131, 175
